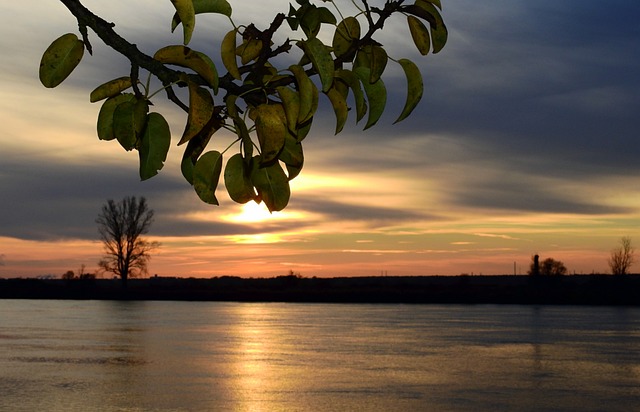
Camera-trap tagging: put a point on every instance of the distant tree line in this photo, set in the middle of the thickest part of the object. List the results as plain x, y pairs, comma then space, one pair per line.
548, 267
619, 262
71, 275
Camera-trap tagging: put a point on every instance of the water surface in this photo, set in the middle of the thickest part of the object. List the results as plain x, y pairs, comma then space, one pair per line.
197, 356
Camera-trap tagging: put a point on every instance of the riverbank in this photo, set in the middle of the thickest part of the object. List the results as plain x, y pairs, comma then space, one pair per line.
568, 290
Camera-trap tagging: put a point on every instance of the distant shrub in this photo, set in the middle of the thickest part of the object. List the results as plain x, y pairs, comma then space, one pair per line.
552, 267
548, 267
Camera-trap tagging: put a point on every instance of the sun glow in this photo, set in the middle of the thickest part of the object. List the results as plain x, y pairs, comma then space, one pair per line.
257, 239
253, 212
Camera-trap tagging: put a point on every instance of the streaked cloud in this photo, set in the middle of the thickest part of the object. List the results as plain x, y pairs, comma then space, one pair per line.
525, 141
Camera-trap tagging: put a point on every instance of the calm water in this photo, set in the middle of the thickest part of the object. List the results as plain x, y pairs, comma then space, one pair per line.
197, 356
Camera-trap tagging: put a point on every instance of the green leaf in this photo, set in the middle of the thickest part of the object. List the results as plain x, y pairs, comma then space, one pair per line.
435, 2
415, 87
341, 87
310, 20
439, 32
291, 102
200, 112
321, 60
194, 149
340, 108
228, 54
213, 72
347, 32
376, 95
240, 125
419, 11
245, 140
186, 167
354, 84
292, 19
304, 129
326, 16
363, 58
420, 35
60, 59
249, 50
308, 93
212, 6
293, 171
272, 184
129, 120
187, 15
378, 62
194, 60
206, 175
292, 156
105, 117
124, 127
237, 180
205, 6
154, 146
110, 89
271, 130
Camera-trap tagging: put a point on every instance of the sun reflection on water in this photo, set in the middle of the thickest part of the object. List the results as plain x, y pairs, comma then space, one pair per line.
253, 369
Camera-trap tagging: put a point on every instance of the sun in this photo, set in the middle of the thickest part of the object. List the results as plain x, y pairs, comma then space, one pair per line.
250, 212
253, 212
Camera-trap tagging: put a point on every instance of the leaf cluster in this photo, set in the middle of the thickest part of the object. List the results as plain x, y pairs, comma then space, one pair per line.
269, 109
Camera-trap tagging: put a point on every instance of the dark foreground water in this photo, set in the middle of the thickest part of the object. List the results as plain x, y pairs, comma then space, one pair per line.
207, 356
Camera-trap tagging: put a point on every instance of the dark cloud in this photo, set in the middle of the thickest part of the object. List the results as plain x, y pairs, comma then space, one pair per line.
527, 85
549, 88
50, 200
332, 211
524, 197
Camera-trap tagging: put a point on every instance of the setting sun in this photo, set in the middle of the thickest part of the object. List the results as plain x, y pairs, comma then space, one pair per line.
251, 212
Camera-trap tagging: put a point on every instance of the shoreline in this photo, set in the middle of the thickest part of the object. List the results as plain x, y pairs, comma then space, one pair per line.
487, 289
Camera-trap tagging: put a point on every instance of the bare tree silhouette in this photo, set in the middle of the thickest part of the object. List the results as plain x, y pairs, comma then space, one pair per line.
622, 257
120, 226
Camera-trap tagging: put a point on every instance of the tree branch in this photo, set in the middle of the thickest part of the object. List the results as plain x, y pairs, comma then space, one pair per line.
390, 7
105, 31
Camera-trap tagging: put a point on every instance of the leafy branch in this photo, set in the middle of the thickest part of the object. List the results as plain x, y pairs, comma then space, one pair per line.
274, 105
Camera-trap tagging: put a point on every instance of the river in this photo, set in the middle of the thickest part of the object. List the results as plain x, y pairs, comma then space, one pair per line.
215, 356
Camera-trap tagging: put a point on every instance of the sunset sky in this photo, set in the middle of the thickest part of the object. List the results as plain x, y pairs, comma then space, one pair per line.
526, 141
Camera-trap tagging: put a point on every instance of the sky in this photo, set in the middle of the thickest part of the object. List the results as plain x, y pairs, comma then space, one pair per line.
526, 142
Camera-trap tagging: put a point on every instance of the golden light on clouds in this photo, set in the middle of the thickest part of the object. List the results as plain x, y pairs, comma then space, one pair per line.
362, 188
253, 212
310, 181
259, 238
